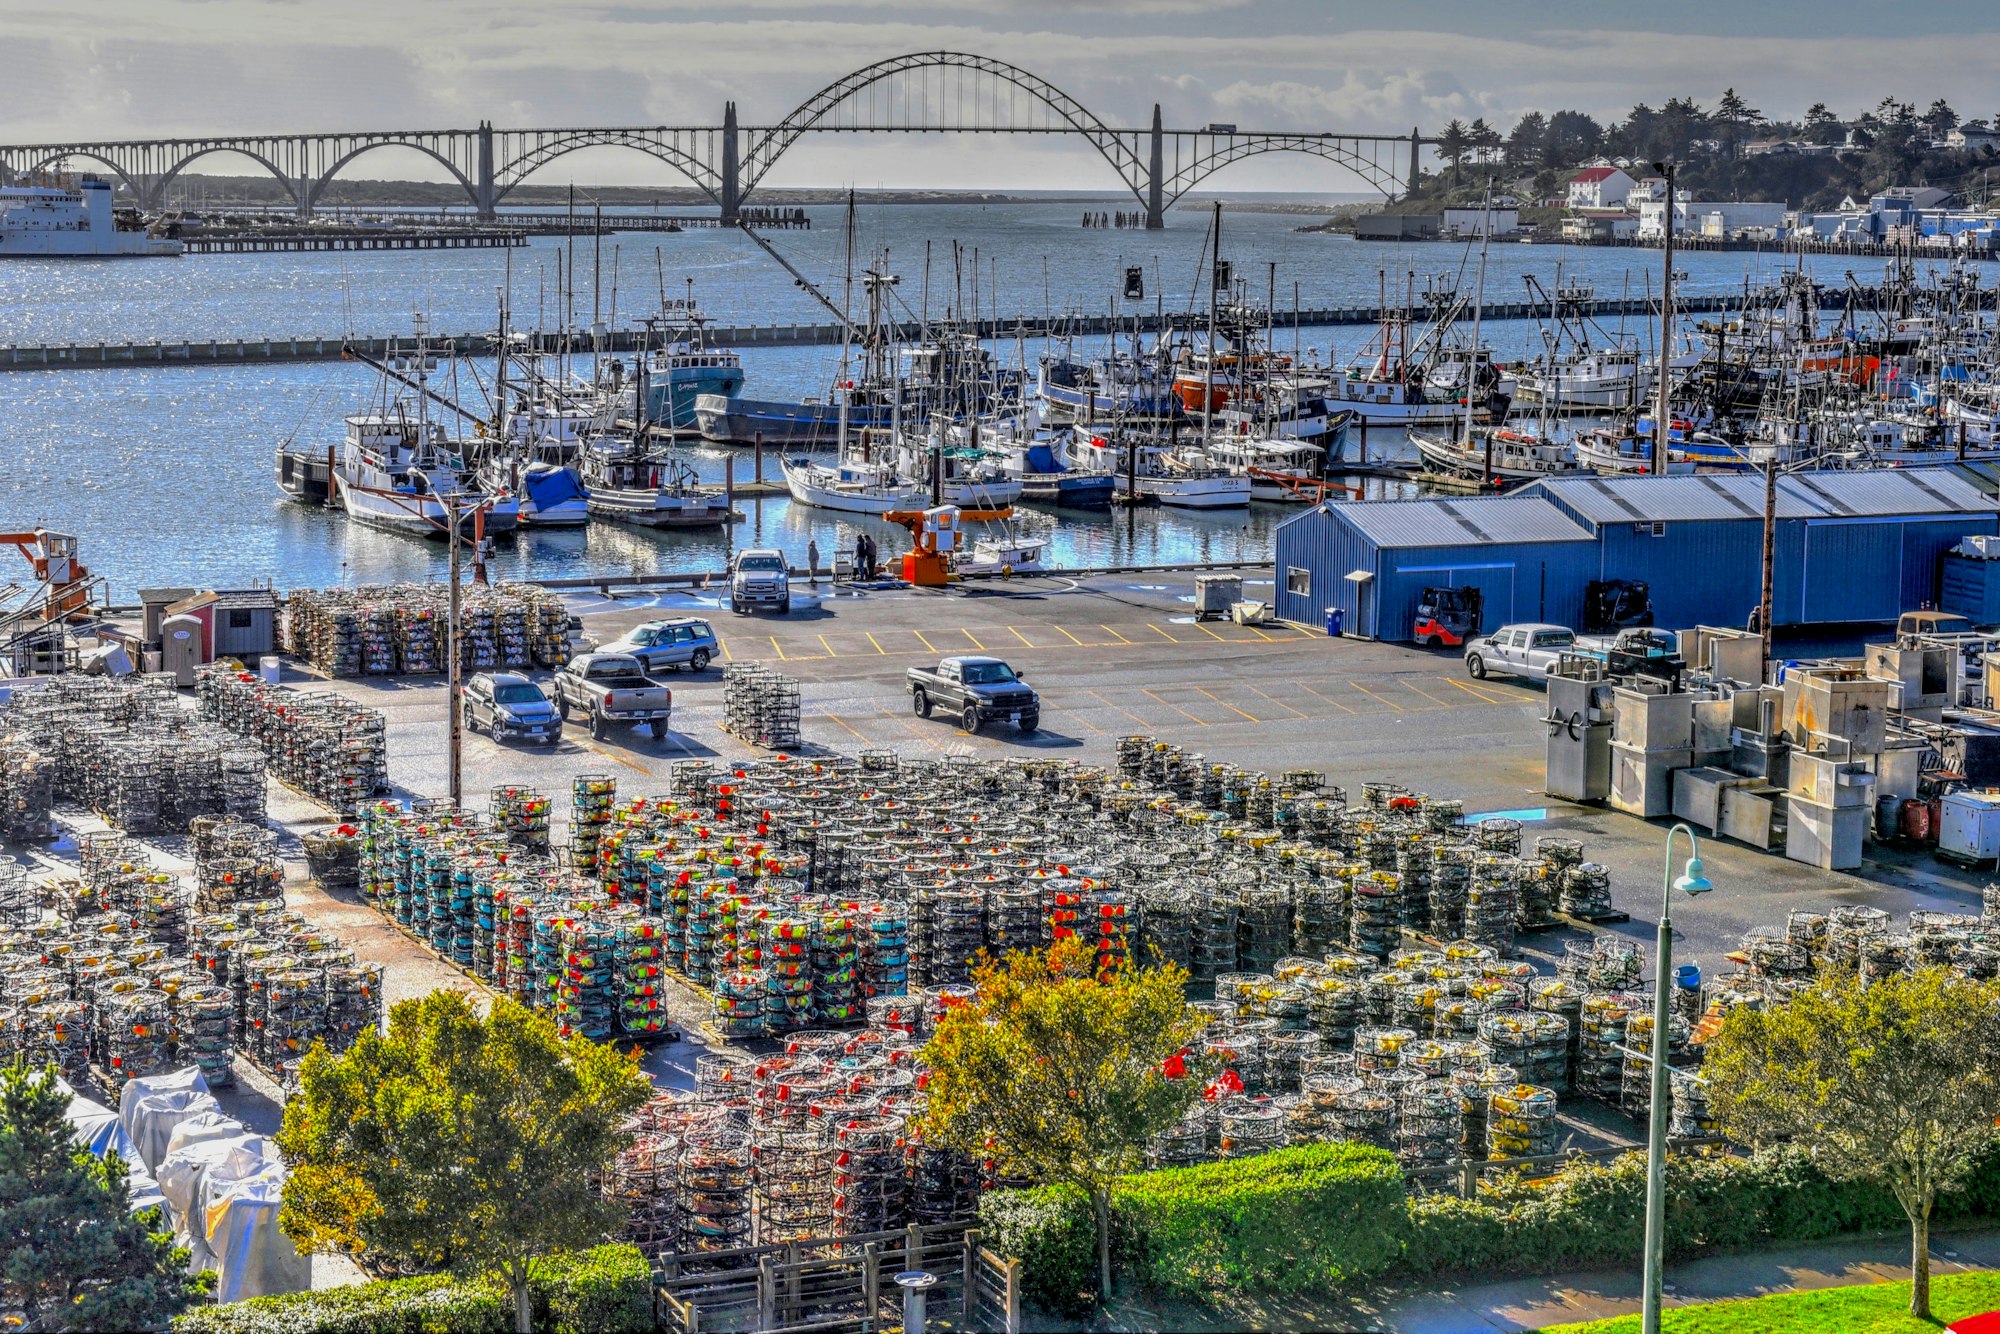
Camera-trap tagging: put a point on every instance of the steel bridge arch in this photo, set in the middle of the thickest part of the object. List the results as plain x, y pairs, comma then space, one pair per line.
764, 153
1381, 177
325, 178
167, 177
67, 153
699, 173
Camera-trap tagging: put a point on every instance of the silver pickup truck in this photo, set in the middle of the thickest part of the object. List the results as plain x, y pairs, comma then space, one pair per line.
1530, 650
612, 689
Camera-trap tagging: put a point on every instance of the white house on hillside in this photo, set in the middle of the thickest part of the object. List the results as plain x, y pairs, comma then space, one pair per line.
1599, 187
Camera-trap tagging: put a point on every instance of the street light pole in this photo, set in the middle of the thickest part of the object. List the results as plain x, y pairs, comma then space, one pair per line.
1691, 881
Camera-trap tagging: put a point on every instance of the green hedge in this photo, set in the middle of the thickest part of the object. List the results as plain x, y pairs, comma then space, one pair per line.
601, 1291
1295, 1220
1312, 1218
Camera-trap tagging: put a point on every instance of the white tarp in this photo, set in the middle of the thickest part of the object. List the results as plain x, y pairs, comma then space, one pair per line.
152, 1119
172, 1082
225, 1193
253, 1258
98, 1129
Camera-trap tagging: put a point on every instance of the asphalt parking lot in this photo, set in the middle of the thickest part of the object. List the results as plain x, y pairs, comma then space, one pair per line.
1113, 656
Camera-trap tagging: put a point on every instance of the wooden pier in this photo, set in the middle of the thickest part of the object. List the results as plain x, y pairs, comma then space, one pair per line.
264, 243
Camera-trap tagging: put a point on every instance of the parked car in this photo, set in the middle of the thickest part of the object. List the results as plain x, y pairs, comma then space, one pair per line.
686, 641
760, 577
1530, 650
613, 689
507, 704
976, 691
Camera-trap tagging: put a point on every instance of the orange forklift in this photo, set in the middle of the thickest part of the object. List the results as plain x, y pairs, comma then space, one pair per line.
1447, 617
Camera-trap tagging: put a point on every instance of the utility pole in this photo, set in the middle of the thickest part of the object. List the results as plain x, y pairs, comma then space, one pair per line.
455, 719
1770, 530
1662, 416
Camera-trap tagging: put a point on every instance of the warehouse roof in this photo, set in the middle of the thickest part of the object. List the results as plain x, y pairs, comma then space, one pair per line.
1878, 493
1486, 520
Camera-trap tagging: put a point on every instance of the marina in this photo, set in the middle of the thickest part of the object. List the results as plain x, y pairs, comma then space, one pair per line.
915, 732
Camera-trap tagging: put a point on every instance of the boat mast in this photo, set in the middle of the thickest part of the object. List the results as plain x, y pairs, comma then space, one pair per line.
1660, 419
1208, 362
1478, 308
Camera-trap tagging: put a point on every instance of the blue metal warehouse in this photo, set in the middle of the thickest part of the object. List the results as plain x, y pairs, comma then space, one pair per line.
1849, 546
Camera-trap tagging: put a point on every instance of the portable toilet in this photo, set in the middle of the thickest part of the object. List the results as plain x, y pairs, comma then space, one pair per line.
183, 647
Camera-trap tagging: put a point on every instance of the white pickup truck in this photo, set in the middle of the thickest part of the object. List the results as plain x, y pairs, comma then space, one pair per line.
1530, 650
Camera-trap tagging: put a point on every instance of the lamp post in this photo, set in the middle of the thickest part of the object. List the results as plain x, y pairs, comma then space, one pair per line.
1691, 881
1767, 455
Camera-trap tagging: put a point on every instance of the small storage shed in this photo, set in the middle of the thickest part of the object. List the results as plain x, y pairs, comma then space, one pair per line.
246, 623
1373, 559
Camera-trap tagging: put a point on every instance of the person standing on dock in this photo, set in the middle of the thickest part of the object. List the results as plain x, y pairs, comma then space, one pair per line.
812, 560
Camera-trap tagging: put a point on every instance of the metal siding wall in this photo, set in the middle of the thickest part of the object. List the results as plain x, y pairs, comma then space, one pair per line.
1327, 548
1852, 571
1522, 581
1701, 571
1924, 546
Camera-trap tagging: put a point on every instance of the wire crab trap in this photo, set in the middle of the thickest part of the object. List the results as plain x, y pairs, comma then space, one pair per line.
1375, 913
716, 1176
1636, 1093
1428, 1124
1534, 1043
760, 705
1521, 1122
204, 1031
1251, 1126
1492, 903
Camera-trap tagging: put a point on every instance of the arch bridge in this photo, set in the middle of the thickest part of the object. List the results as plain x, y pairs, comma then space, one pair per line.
930, 92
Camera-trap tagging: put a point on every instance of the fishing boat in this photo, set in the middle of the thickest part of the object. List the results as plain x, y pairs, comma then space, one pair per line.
636, 483
957, 468
1620, 451
1156, 471
861, 479
1026, 452
686, 369
395, 470
1278, 469
1125, 385
1008, 554
1499, 454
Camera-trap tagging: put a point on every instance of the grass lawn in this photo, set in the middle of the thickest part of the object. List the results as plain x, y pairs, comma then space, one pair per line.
1874, 1308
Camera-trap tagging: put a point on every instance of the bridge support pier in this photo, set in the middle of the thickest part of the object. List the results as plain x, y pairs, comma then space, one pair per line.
305, 193
484, 178
731, 192
1416, 162
1156, 217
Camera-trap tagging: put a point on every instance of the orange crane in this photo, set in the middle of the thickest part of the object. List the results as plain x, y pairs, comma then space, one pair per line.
934, 535
64, 578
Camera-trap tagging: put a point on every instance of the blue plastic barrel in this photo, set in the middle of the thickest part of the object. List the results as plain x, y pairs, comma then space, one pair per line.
1687, 976
1334, 617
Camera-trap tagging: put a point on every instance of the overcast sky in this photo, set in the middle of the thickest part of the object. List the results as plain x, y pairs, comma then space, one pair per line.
140, 68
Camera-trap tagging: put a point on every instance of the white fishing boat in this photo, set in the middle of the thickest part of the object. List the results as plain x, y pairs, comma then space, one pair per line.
1179, 477
1496, 453
1009, 554
1618, 451
1279, 469
396, 471
1601, 378
861, 479
634, 485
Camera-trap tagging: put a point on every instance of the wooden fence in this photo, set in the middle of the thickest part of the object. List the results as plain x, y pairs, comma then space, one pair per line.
839, 1285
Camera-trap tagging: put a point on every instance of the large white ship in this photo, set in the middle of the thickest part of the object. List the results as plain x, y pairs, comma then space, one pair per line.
60, 222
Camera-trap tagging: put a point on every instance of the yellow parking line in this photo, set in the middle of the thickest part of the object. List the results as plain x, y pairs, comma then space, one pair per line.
1210, 633
1067, 635
1177, 709
1161, 633
877, 643
1296, 713
925, 642
1113, 633
1072, 713
1384, 699
1121, 708
615, 757
829, 648
1018, 635
727, 656
1480, 692
1269, 639
1328, 698
1227, 705
974, 638
1441, 703
850, 731
776, 645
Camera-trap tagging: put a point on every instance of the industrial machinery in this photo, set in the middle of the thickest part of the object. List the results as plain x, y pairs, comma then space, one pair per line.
934, 535
1616, 604
32, 616
1447, 617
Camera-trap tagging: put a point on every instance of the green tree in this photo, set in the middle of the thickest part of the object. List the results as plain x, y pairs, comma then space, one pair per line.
1940, 120
1896, 1083
1734, 115
1822, 126
455, 1142
1482, 139
1452, 143
1572, 137
72, 1255
1524, 141
1065, 1074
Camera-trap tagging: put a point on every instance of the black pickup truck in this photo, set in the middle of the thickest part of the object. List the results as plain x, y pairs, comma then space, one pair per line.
976, 691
